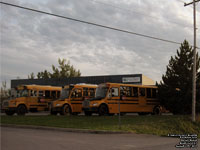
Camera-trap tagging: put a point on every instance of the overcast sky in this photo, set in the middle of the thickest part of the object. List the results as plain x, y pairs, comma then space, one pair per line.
32, 42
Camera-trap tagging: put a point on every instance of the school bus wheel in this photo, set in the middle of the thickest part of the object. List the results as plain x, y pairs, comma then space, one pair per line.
66, 110
157, 110
9, 113
21, 110
103, 110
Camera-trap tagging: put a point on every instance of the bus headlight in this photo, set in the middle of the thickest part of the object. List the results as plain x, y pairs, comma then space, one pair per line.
58, 104
13, 103
95, 104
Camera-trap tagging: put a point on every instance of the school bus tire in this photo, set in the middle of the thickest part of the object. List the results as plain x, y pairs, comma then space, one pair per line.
157, 110
9, 113
66, 110
21, 110
103, 110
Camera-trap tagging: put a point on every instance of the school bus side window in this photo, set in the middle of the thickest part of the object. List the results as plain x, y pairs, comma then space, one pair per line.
114, 92
58, 94
129, 91
154, 93
47, 94
33, 93
148, 93
92, 92
142, 91
53, 94
135, 92
40, 93
77, 93
85, 91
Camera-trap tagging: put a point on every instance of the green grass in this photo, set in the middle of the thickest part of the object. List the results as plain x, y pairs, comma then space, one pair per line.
157, 125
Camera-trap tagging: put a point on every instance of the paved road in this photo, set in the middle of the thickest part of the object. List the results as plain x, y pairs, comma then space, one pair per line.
34, 139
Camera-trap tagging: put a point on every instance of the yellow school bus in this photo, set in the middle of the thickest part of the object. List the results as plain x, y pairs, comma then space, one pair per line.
72, 96
114, 98
31, 98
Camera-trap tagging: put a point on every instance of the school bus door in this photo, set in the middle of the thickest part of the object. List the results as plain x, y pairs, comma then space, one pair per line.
113, 99
33, 99
76, 100
142, 97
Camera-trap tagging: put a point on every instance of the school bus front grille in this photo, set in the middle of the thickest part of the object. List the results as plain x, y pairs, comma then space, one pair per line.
5, 104
86, 103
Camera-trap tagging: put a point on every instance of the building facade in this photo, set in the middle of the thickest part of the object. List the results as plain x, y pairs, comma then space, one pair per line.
126, 79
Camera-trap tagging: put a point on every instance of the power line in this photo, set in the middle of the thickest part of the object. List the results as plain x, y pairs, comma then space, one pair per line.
186, 4
137, 12
91, 23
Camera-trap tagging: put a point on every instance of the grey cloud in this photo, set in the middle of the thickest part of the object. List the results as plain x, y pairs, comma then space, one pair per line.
32, 42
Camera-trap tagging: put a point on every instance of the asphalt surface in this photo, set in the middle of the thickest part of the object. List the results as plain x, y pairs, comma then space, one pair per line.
35, 139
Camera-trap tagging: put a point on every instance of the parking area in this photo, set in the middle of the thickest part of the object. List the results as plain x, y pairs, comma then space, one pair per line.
18, 139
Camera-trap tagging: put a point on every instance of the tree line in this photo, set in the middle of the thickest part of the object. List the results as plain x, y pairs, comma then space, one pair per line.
64, 70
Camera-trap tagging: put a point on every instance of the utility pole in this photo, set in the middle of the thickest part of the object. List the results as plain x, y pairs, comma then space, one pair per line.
194, 63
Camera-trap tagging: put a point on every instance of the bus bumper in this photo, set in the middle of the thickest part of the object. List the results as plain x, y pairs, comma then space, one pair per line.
91, 109
56, 109
9, 109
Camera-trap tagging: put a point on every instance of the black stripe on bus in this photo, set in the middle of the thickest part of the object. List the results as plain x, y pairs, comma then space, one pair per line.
75, 100
39, 105
123, 100
123, 103
152, 101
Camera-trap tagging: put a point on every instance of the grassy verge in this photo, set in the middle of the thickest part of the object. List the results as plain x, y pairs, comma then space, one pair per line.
157, 125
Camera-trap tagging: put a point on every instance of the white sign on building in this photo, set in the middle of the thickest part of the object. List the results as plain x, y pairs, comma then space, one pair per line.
130, 79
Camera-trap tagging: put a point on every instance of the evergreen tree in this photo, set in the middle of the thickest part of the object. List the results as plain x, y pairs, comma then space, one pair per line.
175, 89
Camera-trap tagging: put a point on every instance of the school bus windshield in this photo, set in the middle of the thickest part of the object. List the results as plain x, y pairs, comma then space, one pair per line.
65, 93
22, 93
101, 92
